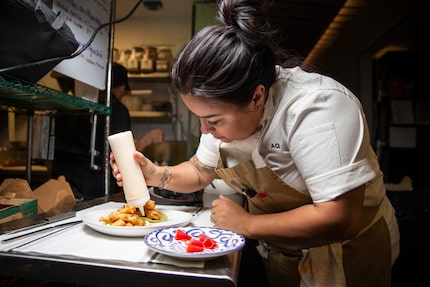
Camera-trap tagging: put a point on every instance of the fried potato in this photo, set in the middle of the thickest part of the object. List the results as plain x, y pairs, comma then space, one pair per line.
153, 214
118, 222
131, 216
150, 204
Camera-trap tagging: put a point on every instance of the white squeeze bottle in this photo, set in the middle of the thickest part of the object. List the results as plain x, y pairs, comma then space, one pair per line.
135, 190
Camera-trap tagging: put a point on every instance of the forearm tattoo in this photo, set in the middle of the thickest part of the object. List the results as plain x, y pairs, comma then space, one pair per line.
200, 167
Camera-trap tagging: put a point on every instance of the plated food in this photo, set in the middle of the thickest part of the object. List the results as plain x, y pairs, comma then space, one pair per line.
184, 242
131, 216
173, 218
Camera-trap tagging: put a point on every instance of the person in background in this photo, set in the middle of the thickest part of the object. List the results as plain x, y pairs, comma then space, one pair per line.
72, 142
296, 143
120, 119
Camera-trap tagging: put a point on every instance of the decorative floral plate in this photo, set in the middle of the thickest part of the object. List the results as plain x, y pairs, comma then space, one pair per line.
164, 242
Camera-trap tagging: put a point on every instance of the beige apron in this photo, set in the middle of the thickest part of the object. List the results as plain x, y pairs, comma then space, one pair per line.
268, 193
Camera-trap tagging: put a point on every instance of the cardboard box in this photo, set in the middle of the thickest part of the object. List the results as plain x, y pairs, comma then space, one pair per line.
54, 196
15, 208
16, 187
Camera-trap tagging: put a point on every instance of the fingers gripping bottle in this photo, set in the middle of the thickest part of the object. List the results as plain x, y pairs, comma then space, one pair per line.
135, 189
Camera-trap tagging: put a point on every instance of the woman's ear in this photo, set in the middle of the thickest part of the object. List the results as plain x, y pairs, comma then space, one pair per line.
259, 97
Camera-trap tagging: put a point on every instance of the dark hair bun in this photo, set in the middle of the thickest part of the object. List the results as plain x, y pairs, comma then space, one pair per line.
244, 15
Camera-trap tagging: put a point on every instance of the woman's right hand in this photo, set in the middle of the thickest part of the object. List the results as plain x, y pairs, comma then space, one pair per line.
147, 166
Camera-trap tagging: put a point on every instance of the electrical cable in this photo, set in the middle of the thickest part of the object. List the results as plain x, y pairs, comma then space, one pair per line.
78, 52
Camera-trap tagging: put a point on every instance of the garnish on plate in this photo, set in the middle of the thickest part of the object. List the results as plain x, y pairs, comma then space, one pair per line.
195, 244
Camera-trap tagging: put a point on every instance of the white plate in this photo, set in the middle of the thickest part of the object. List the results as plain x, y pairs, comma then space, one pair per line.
164, 242
174, 218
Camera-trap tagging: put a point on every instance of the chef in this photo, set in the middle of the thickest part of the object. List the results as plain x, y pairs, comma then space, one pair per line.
295, 143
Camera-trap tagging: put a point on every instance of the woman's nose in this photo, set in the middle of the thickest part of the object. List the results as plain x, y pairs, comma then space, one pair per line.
205, 128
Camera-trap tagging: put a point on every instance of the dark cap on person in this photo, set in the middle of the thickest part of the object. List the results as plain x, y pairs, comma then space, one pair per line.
119, 76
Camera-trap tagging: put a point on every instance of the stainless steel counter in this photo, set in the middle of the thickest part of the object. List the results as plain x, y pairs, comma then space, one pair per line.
221, 271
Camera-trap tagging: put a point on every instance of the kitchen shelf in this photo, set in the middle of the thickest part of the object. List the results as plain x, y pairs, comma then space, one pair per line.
148, 114
158, 77
403, 137
153, 75
150, 117
25, 96
21, 96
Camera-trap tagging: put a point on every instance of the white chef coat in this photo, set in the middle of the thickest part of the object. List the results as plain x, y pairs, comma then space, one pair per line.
315, 137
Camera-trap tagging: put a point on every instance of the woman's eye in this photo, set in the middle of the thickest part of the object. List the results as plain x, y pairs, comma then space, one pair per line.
213, 123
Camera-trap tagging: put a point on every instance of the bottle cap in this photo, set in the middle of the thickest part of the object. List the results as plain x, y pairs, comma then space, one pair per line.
139, 202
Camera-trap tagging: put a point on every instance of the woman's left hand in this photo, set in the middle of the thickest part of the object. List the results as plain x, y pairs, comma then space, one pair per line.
227, 214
